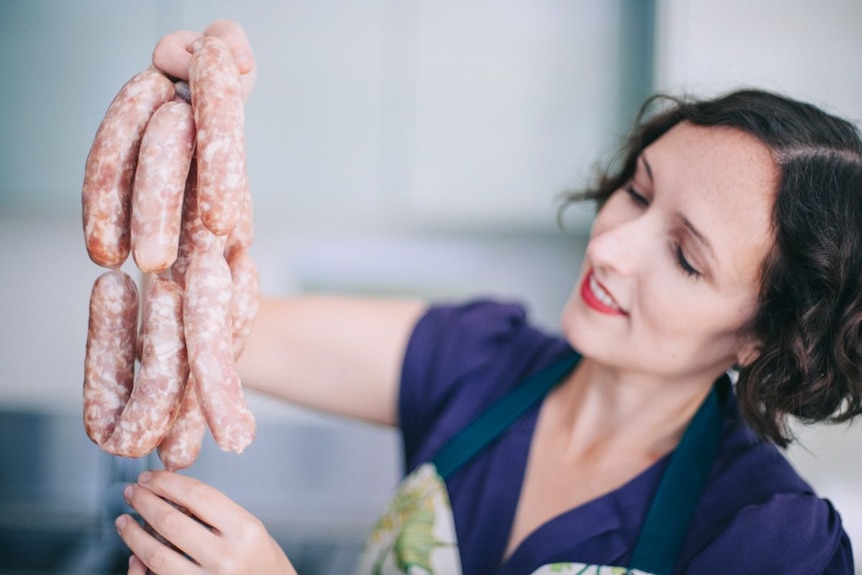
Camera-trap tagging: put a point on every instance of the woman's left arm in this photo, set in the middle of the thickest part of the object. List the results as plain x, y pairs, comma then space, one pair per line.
216, 537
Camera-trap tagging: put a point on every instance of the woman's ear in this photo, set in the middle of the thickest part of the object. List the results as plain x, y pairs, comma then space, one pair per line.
748, 352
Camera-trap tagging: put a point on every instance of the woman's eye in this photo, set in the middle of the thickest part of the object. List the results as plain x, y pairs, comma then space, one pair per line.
686, 267
636, 196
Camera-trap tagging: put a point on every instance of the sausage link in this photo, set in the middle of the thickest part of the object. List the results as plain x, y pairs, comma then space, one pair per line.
245, 300
242, 235
194, 236
208, 336
160, 178
181, 446
160, 382
107, 191
216, 93
109, 364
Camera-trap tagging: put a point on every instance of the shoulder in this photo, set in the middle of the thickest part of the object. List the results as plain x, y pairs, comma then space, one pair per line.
481, 324
460, 340
759, 515
788, 533
460, 357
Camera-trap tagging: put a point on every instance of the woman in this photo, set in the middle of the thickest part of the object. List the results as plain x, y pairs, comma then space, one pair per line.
727, 242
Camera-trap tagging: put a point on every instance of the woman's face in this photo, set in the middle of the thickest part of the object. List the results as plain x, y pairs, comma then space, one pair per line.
672, 269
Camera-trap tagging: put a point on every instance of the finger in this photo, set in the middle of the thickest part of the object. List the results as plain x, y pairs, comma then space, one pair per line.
173, 53
233, 35
136, 566
201, 500
178, 529
149, 551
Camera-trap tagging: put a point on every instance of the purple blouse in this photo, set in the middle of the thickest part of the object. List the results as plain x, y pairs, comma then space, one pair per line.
756, 514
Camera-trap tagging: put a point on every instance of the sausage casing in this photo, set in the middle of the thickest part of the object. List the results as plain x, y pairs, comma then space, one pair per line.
242, 235
216, 93
245, 300
109, 363
160, 179
194, 236
208, 337
109, 170
182, 444
160, 382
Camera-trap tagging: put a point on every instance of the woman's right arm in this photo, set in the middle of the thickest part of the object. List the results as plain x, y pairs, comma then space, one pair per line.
337, 354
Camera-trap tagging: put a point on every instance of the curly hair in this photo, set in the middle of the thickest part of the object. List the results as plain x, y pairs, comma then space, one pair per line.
809, 318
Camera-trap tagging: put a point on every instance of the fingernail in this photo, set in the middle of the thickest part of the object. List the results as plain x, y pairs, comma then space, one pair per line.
127, 493
120, 522
144, 477
243, 62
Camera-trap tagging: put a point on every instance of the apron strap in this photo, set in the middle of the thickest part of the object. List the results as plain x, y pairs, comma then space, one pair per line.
499, 416
682, 483
678, 492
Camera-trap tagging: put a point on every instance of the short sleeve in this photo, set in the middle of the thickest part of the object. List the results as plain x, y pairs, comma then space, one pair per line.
458, 360
789, 534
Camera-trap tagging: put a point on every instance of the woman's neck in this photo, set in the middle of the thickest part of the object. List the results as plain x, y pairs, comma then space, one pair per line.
603, 411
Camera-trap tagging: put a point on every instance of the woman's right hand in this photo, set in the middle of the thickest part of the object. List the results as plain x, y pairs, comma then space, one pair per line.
172, 54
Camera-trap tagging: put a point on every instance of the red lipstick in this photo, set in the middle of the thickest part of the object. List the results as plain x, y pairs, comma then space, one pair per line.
597, 297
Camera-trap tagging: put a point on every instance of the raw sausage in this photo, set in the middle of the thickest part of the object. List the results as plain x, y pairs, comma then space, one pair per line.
160, 178
110, 166
208, 337
181, 446
166, 179
244, 303
109, 364
194, 236
216, 94
160, 382
242, 235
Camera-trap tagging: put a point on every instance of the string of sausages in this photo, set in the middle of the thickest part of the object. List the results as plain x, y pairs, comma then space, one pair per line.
165, 180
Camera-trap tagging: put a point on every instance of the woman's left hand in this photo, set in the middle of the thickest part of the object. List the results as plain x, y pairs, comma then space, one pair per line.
219, 537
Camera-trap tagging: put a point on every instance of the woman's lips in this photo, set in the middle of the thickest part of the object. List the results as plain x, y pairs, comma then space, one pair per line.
597, 297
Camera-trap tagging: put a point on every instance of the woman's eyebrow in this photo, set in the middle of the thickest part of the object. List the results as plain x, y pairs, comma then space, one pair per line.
697, 234
647, 167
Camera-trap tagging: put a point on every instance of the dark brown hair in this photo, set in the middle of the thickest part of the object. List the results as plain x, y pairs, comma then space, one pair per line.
809, 317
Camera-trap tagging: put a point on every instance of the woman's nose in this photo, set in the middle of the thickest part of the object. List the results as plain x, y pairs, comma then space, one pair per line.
620, 248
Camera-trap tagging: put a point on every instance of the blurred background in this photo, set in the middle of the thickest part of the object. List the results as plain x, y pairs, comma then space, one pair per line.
394, 146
